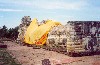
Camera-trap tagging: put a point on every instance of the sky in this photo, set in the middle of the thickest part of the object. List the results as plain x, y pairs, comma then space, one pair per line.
11, 11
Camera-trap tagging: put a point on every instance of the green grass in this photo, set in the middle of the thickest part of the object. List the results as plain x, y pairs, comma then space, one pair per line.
6, 58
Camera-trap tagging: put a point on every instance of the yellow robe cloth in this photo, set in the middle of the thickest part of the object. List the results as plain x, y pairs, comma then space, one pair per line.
38, 34
32, 27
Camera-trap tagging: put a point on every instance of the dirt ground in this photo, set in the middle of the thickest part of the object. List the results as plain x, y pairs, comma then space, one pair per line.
29, 56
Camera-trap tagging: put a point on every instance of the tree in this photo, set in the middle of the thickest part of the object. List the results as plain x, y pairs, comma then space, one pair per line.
3, 31
11, 33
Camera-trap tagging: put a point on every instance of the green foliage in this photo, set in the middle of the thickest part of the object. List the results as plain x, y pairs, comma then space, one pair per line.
6, 58
3, 31
11, 33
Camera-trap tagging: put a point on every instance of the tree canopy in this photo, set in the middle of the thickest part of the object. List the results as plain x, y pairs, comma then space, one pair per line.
11, 33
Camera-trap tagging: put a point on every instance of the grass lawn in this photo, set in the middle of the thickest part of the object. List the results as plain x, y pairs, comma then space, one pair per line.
6, 58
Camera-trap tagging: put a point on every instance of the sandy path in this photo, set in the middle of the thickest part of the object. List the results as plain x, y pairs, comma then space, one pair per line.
29, 56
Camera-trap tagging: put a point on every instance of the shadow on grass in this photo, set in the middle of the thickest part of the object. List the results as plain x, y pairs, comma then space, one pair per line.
6, 58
